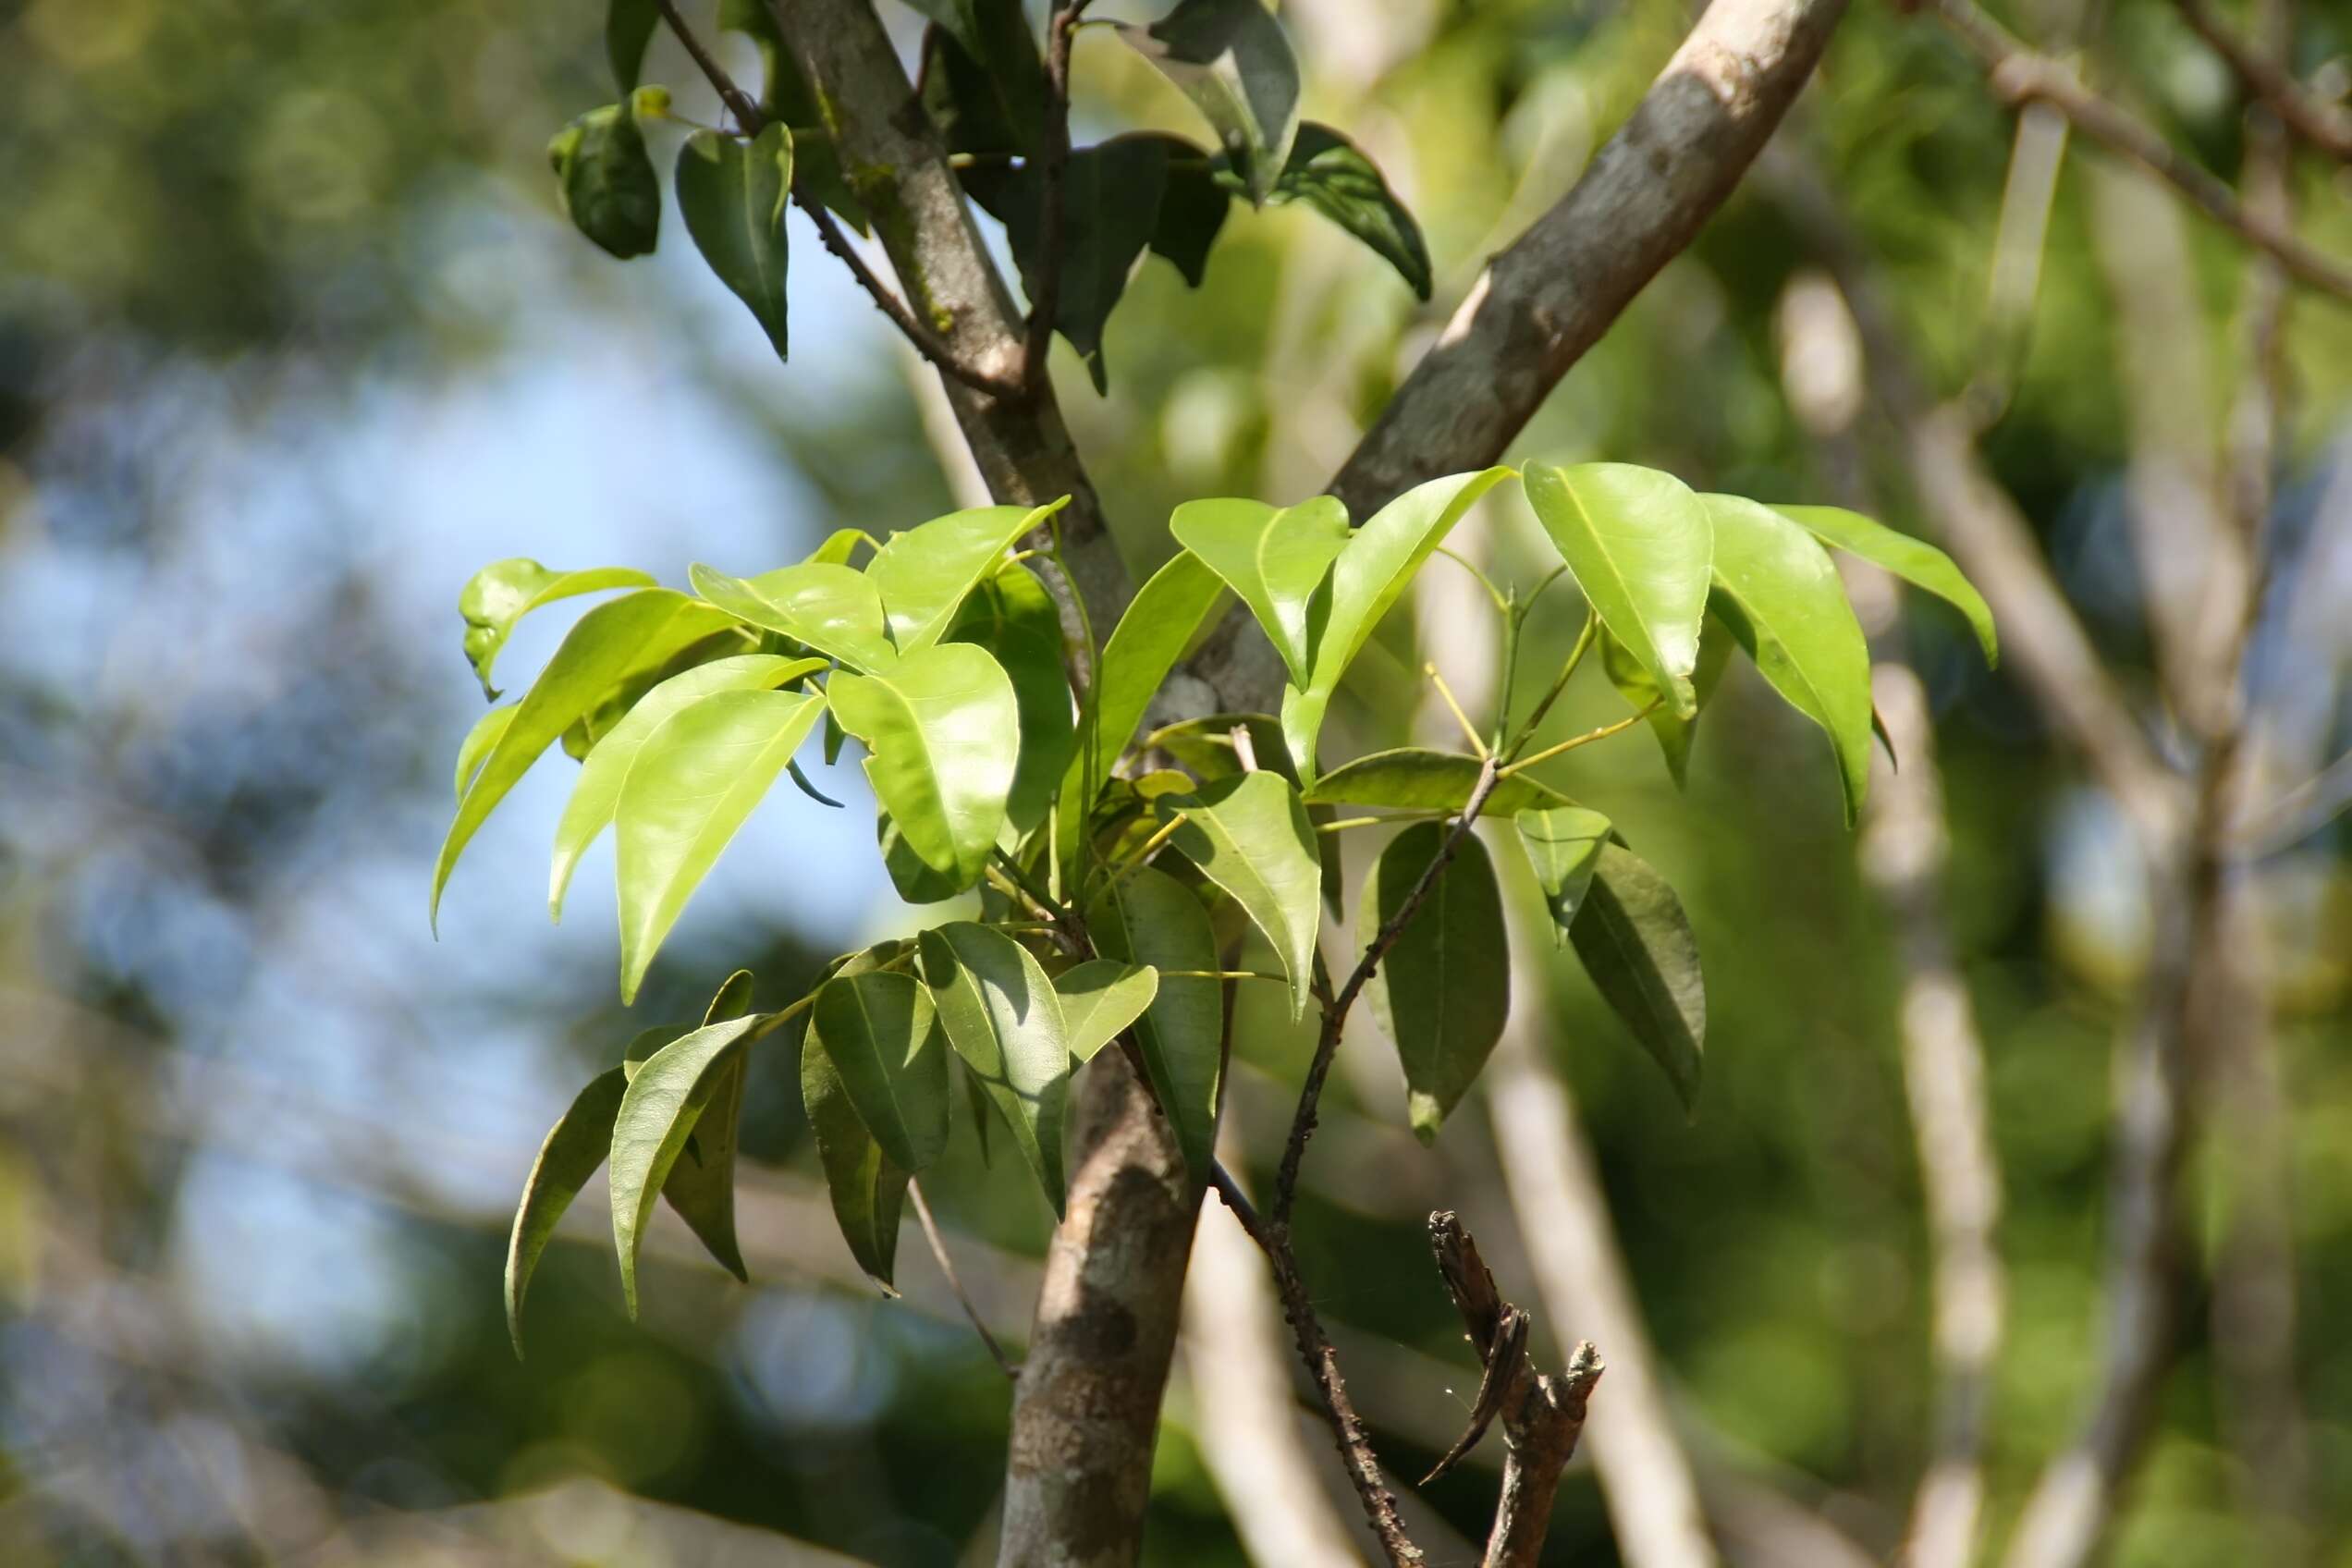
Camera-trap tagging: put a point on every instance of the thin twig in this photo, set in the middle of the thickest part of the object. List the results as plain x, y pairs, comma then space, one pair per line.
1615, 727
2325, 126
955, 1283
1053, 170
740, 103
1559, 683
2020, 76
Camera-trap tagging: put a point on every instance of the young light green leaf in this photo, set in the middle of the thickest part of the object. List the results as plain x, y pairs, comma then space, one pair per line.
628, 27
1444, 989
1637, 543
1231, 58
832, 608
478, 743
1636, 945
1099, 999
1783, 599
884, 1040
1149, 917
597, 792
1367, 579
1004, 1018
1914, 561
732, 195
606, 180
1327, 172
1014, 618
1564, 845
701, 1185
665, 1099
1415, 778
1251, 836
925, 573
944, 731
1641, 690
868, 1191
610, 640
693, 783
575, 1146
1277, 559
1167, 613
504, 592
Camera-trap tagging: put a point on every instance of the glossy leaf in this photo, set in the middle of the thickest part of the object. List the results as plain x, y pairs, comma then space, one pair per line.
1641, 690
1101, 999
868, 1191
1784, 600
1149, 917
1637, 944
701, 1184
882, 1036
1278, 559
693, 783
944, 732
925, 573
1563, 846
1014, 617
732, 195
575, 1146
1328, 173
1167, 613
1914, 561
658, 1112
608, 641
1232, 59
1637, 543
504, 592
1367, 581
1003, 1017
628, 27
1251, 836
598, 791
605, 178
479, 742
1443, 991
832, 608
1416, 779
1110, 196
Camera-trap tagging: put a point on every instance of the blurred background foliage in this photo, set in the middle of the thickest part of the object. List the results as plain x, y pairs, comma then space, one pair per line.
293, 337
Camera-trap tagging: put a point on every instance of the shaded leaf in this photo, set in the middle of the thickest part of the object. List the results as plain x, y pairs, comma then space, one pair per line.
504, 592
1003, 1017
1109, 212
1564, 845
883, 1038
1014, 617
663, 1102
1328, 173
1101, 997
915, 882
984, 81
575, 1146
701, 1185
1232, 59
1416, 779
732, 195
1149, 917
1914, 561
1193, 206
944, 734
1637, 543
1637, 944
868, 1191
1640, 689
925, 573
628, 27
605, 178
1278, 559
1251, 836
1443, 991
831, 609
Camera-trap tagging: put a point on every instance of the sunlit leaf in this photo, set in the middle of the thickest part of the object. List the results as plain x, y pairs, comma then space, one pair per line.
701, 1184
1914, 561
504, 592
1564, 845
1636, 945
1149, 917
1443, 991
693, 783
605, 178
1101, 997
732, 195
830, 608
879, 1032
925, 573
1328, 173
1014, 618
1232, 59
1005, 1021
1416, 779
658, 1112
1637, 543
574, 1148
1278, 559
1251, 836
944, 732
478, 743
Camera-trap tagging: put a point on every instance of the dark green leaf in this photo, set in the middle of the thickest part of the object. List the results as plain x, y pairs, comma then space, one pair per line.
944, 732
868, 1191
1014, 617
1109, 212
1328, 173
732, 195
1637, 543
701, 1186
1149, 917
665, 1099
1278, 559
1414, 778
1005, 1021
606, 180
1914, 561
1564, 845
504, 592
628, 27
1638, 947
575, 1146
1193, 205
882, 1036
1099, 999
1231, 58
1443, 991
984, 81
914, 882
924, 574
831, 609
1250, 836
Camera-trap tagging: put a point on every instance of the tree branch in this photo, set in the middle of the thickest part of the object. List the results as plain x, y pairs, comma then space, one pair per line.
2326, 127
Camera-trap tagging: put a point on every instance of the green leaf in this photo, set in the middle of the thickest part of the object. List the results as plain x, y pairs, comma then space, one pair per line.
479, 742
1674, 731
1367, 579
665, 1099
605, 178
984, 81
832, 608
1160, 622
1915, 561
1014, 618
943, 729
1564, 845
1193, 207
1231, 58
701, 1185
1251, 836
1637, 543
1414, 778
1328, 173
1638, 947
693, 783
732, 195
925, 573
644, 628
598, 791
1443, 991
1004, 1018
628, 27
575, 1146
1149, 917
914, 882
1101, 997
1783, 598
504, 592
1278, 559
868, 1191
1109, 212
884, 1040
